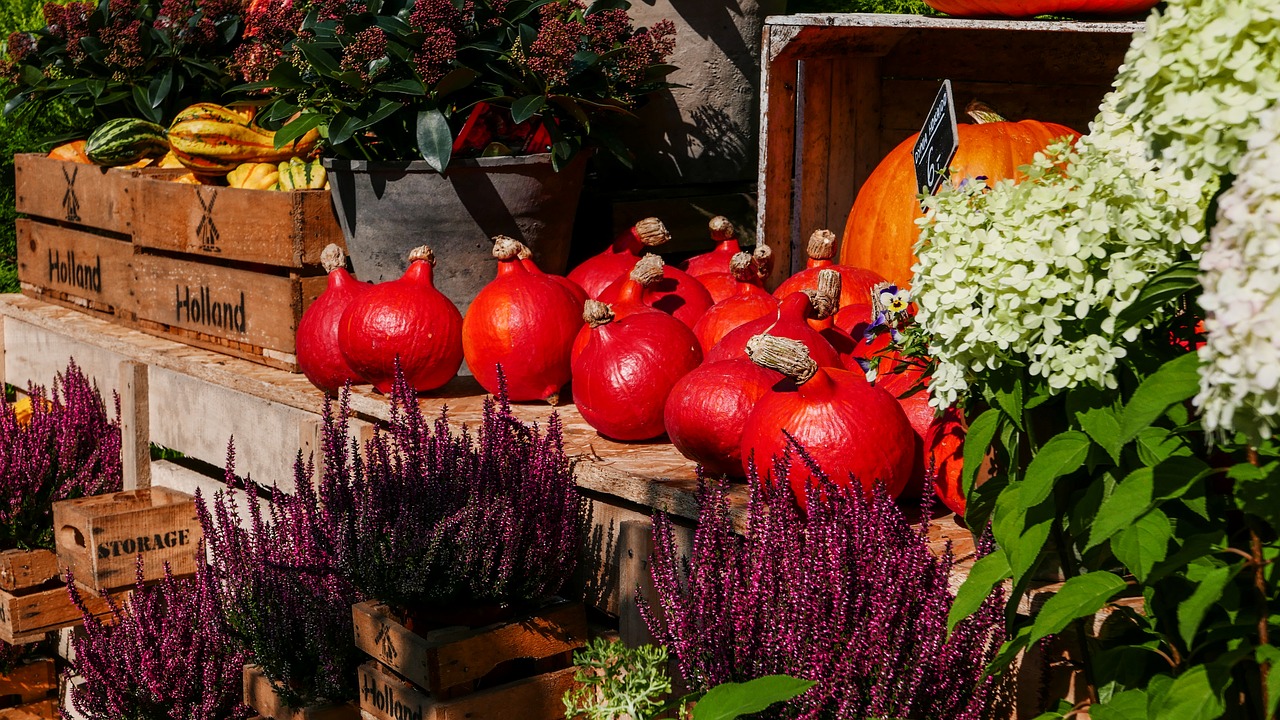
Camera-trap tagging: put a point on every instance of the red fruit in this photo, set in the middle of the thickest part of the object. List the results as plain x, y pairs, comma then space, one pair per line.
854, 432
716, 261
751, 271
708, 408
747, 302
318, 355
944, 445
909, 387
406, 319
598, 272
661, 287
526, 259
857, 282
525, 322
790, 321
624, 367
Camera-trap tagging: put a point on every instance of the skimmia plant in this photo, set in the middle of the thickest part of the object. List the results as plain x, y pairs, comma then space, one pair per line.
425, 515
166, 653
848, 596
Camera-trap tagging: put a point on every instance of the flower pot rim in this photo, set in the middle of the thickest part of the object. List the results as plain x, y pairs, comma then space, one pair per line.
344, 164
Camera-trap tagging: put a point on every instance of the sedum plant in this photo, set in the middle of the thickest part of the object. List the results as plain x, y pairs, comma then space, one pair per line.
166, 653
848, 596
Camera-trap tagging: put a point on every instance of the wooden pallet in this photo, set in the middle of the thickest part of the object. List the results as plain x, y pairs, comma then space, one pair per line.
259, 695
100, 537
840, 91
34, 602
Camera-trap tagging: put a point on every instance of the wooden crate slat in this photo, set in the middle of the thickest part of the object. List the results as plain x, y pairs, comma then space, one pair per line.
74, 266
387, 697
24, 617
23, 569
449, 658
259, 695
30, 682
86, 195
285, 229
46, 709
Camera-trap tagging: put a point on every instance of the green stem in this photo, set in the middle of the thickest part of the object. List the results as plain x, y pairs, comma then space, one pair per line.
1259, 563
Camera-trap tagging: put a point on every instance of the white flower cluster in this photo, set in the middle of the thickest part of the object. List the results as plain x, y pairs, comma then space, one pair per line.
1240, 271
1036, 273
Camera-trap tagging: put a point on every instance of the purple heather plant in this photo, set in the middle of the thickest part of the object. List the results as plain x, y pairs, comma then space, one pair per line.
165, 654
426, 515
848, 595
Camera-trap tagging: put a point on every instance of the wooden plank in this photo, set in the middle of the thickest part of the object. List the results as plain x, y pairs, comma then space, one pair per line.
814, 98
855, 150
135, 426
86, 195
259, 695
906, 101
386, 697
33, 355
777, 156
439, 660
24, 569
231, 304
100, 537
635, 582
81, 268
265, 449
46, 709
286, 229
29, 682
27, 618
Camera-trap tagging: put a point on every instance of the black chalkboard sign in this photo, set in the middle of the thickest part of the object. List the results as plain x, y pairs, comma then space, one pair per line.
938, 141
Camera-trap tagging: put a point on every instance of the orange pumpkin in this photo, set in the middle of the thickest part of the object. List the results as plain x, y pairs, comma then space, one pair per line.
1029, 8
881, 231
71, 152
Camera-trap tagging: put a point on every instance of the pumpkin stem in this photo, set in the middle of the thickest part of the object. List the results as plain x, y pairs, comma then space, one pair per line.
826, 299
822, 245
650, 231
332, 258
423, 252
525, 253
596, 313
763, 258
721, 229
742, 267
648, 270
506, 248
982, 113
787, 356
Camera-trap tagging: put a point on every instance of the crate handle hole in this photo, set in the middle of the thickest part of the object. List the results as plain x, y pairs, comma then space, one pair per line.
71, 534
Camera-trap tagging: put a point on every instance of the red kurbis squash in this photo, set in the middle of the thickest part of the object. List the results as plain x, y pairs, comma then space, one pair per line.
748, 302
661, 287
856, 281
318, 355
598, 272
791, 320
717, 260
708, 408
722, 285
881, 233
1030, 8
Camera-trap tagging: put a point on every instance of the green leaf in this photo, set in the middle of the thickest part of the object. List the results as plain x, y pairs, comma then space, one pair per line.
1080, 596
1103, 427
299, 127
393, 25
323, 62
1257, 490
1122, 706
159, 88
1021, 531
1062, 455
988, 572
342, 127
1190, 697
1140, 490
731, 700
31, 75
1144, 543
1191, 611
1009, 399
407, 86
1009, 651
1161, 289
435, 139
144, 106
1155, 444
526, 107
976, 443
1270, 654
455, 80
1176, 381
574, 109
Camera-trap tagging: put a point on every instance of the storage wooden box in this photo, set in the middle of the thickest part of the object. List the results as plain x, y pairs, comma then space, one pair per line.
77, 268
34, 598
282, 229
88, 196
31, 682
464, 672
259, 695
838, 92
251, 312
100, 537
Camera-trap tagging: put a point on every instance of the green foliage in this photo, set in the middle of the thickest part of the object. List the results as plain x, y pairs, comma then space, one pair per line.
904, 7
615, 682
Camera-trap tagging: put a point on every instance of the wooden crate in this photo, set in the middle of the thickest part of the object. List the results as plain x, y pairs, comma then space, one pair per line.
46, 709
469, 672
84, 195
34, 599
28, 683
284, 229
100, 537
259, 695
838, 92
77, 268
245, 311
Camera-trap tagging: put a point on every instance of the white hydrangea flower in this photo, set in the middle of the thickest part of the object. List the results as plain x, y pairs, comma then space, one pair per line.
1036, 273
1240, 271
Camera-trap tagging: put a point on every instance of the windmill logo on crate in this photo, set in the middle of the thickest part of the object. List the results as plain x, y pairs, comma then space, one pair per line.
383, 638
207, 231
70, 202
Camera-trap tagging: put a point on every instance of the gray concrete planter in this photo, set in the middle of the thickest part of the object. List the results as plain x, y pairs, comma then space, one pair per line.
387, 209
